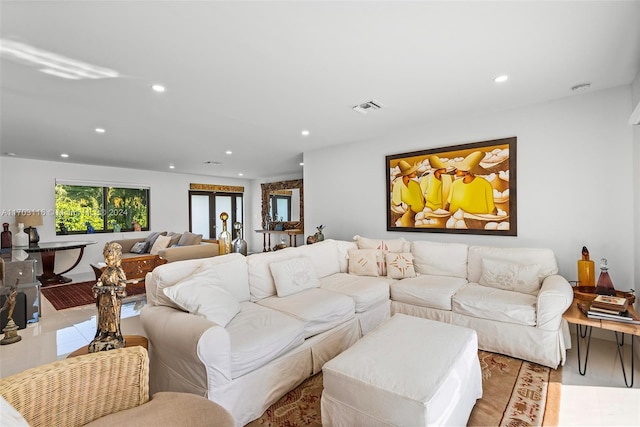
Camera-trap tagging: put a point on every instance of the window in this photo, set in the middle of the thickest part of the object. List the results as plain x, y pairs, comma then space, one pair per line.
105, 209
280, 209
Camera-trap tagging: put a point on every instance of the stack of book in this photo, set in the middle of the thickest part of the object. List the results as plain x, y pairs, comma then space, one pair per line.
605, 307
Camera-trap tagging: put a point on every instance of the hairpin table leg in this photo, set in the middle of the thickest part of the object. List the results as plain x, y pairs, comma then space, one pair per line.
624, 372
588, 330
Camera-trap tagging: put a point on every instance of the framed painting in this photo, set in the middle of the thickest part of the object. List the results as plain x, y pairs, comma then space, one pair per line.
467, 189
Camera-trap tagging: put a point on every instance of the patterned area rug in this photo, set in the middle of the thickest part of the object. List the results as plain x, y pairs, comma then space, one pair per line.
77, 294
516, 393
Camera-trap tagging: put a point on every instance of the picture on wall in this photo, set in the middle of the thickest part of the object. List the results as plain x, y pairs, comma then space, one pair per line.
467, 189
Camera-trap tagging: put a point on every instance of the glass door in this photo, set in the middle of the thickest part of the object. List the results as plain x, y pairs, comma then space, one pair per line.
205, 209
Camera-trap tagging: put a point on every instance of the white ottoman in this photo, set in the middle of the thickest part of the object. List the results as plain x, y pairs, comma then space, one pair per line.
408, 372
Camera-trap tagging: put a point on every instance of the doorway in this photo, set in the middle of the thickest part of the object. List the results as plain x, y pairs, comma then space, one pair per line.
205, 209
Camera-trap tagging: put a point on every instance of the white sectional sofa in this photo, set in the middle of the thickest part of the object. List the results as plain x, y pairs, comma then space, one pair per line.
245, 330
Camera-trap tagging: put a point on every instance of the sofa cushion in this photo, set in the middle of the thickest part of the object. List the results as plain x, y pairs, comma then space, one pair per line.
427, 290
495, 304
545, 258
200, 297
366, 292
364, 262
161, 242
294, 275
400, 265
151, 238
259, 335
261, 282
188, 239
440, 259
390, 245
175, 238
343, 253
320, 309
510, 276
139, 248
229, 272
325, 256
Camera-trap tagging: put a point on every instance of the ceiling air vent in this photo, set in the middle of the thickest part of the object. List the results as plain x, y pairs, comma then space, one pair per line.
367, 106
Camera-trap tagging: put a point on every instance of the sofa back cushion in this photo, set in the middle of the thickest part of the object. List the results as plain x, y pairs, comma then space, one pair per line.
201, 297
324, 255
440, 259
344, 247
261, 284
229, 272
544, 258
294, 275
510, 276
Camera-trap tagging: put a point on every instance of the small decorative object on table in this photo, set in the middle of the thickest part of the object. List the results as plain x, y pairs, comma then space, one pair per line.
604, 285
90, 228
11, 329
116, 227
312, 239
586, 269
63, 228
21, 238
239, 244
109, 291
6, 237
319, 235
136, 226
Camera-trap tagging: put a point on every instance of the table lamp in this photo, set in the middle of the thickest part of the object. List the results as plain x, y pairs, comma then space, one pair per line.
30, 220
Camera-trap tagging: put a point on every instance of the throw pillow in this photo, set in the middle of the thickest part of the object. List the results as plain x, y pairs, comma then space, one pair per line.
175, 238
294, 275
161, 243
139, 248
188, 239
510, 276
400, 266
151, 238
394, 245
364, 262
200, 297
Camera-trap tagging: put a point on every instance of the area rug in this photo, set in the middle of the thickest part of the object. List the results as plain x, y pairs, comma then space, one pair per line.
516, 393
77, 294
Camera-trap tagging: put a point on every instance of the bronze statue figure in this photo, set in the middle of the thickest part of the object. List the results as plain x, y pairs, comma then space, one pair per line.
109, 291
11, 329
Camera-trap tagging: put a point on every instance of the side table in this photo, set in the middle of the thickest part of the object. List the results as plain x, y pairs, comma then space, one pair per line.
130, 341
576, 316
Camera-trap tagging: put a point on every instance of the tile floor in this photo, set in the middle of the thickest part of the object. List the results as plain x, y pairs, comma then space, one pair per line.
597, 399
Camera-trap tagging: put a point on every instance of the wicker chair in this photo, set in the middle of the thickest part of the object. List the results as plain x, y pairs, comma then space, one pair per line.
106, 388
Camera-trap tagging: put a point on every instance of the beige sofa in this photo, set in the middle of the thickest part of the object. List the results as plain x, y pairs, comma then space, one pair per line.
264, 329
173, 254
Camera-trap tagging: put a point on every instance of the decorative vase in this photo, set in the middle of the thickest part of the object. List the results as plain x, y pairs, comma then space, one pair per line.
239, 245
21, 238
605, 285
586, 269
5, 240
319, 236
224, 238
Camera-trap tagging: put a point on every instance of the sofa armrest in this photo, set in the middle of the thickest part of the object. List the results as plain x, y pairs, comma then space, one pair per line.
194, 348
181, 253
78, 390
554, 298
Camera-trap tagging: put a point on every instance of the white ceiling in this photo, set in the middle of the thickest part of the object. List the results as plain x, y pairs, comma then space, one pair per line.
249, 76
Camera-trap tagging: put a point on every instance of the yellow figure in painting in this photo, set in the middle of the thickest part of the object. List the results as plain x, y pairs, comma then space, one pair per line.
407, 190
469, 192
436, 186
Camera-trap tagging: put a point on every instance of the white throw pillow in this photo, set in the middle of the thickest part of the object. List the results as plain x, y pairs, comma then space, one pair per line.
294, 275
200, 297
510, 276
160, 243
400, 266
364, 262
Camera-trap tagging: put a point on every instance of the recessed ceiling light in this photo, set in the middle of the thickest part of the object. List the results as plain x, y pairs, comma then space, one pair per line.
305, 133
301, 163
228, 152
100, 130
501, 79
171, 166
240, 174
158, 88
64, 155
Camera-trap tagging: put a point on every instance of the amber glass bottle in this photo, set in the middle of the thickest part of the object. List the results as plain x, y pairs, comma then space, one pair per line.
586, 269
224, 238
6, 236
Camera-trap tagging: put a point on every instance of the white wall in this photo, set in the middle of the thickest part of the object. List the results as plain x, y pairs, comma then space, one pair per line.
29, 184
574, 170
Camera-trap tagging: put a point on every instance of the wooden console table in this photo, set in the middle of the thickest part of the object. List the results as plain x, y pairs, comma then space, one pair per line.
135, 268
266, 237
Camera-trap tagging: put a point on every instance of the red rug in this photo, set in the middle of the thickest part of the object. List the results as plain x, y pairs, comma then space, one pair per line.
77, 294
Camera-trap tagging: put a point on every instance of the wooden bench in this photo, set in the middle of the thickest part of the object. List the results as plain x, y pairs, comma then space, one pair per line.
135, 268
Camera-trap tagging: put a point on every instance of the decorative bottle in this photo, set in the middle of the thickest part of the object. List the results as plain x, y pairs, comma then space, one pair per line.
6, 237
239, 244
21, 238
586, 269
605, 286
224, 238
